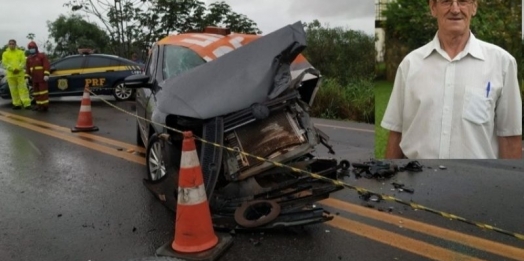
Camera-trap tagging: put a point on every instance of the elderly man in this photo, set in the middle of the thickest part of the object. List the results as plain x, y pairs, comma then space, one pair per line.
455, 97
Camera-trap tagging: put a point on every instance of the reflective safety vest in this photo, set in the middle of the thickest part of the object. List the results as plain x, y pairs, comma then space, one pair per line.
14, 59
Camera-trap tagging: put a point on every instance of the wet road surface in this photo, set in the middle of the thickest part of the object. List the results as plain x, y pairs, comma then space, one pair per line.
79, 196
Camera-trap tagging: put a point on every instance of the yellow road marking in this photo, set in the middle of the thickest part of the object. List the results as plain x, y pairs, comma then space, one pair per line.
76, 140
120, 144
345, 128
380, 235
398, 241
450, 235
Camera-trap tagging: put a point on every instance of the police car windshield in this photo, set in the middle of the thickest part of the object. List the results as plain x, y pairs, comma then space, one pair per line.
178, 59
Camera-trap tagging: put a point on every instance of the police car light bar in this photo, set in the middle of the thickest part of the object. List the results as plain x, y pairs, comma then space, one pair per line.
217, 30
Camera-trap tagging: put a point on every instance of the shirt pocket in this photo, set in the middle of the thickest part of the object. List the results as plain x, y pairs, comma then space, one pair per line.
477, 107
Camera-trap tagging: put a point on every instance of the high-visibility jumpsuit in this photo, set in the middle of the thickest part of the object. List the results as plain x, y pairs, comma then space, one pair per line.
37, 66
15, 60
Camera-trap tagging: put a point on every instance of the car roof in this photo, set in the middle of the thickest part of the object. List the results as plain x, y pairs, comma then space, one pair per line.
206, 44
96, 55
122, 59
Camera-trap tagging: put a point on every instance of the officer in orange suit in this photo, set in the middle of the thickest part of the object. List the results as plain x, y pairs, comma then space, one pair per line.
37, 68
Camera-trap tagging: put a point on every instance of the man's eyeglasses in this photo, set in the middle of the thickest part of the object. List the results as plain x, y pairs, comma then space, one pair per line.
448, 3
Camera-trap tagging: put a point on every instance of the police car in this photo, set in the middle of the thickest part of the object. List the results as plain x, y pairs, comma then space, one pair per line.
103, 74
2, 75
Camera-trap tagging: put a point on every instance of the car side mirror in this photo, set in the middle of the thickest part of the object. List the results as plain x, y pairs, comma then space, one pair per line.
137, 81
52, 69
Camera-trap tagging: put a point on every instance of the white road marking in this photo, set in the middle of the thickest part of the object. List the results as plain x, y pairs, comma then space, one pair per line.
34, 147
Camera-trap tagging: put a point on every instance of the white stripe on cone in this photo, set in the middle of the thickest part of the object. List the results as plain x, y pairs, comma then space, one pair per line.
189, 159
192, 196
85, 108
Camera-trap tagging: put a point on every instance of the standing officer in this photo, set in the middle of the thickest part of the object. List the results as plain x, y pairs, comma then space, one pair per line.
37, 67
13, 60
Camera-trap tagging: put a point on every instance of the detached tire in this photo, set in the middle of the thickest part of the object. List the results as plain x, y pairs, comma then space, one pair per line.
257, 213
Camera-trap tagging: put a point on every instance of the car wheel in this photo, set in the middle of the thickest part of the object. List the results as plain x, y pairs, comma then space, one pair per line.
139, 140
31, 91
156, 167
121, 93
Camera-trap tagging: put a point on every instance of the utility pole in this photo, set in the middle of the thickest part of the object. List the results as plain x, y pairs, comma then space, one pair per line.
120, 28
119, 39
124, 40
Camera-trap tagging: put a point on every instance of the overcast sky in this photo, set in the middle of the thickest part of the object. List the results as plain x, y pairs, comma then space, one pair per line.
31, 16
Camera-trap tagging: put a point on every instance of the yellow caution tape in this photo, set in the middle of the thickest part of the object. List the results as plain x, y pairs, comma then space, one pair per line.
335, 182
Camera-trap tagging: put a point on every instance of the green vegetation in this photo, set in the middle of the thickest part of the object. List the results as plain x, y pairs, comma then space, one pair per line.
70, 33
133, 26
346, 59
382, 93
380, 71
354, 101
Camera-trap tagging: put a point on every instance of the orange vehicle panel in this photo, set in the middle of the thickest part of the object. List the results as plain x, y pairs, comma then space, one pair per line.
211, 46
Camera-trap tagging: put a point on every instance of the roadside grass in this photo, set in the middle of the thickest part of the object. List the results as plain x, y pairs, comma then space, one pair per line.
382, 92
380, 71
354, 101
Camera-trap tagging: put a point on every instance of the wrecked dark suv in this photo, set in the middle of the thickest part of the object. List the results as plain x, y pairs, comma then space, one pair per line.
247, 92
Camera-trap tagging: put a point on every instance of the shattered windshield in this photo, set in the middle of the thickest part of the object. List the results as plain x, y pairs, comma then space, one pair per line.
178, 59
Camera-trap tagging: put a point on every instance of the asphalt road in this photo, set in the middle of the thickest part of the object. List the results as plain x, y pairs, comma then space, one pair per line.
68, 196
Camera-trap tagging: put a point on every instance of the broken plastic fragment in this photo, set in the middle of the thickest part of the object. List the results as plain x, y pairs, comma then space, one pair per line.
397, 185
408, 190
375, 198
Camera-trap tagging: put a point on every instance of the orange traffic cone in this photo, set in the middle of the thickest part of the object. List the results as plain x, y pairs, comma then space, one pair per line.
85, 118
194, 237
193, 228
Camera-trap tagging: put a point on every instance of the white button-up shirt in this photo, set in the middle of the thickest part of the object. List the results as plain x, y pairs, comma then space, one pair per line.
455, 108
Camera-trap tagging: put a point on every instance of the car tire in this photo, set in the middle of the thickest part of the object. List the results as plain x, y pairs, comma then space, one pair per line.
121, 93
139, 140
156, 165
31, 96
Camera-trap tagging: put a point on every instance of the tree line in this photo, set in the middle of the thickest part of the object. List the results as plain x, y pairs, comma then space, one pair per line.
128, 26
345, 57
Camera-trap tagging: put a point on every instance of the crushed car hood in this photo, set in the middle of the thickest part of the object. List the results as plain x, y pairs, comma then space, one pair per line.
254, 73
